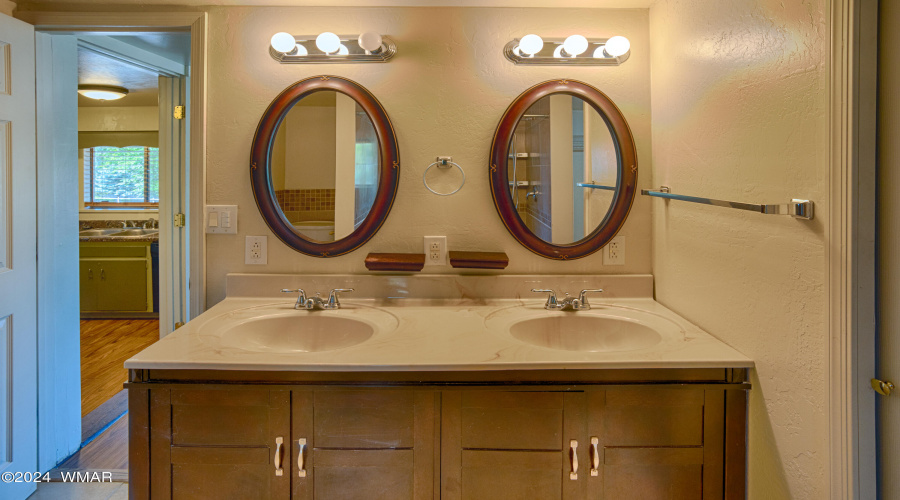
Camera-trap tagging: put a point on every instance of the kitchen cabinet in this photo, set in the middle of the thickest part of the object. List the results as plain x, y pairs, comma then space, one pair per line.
115, 276
275, 435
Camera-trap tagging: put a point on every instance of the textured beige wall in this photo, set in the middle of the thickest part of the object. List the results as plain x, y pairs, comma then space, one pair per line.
740, 112
444, 92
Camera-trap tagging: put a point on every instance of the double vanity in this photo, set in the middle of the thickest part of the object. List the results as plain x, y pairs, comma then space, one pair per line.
461, 387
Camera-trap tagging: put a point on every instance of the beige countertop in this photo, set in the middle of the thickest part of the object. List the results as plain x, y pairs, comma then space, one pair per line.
432, 334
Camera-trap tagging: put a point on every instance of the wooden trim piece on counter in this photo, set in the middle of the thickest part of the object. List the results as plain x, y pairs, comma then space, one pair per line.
418, 378
409, 262
479, 260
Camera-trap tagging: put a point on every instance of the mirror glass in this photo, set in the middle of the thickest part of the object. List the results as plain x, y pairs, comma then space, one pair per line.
562, 169
325, 166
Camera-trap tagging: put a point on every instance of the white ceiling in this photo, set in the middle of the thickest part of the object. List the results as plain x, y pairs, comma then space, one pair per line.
142, 84
602, 4
97, 69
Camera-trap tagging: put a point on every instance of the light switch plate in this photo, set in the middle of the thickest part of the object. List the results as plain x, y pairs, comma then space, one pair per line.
221, 219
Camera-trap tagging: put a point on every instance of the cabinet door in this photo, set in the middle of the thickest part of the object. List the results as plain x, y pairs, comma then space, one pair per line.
88, 279
656, 442
512, 445
215, 444
364, 444
123, 285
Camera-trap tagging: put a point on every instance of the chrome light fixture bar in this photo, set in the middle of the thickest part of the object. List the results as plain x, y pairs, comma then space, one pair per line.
332, 49
553, 51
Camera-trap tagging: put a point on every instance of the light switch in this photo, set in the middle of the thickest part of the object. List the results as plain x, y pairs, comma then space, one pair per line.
221, 219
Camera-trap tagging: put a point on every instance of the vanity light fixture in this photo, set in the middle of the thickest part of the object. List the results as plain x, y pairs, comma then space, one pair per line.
102, 92
329, 47
573, 50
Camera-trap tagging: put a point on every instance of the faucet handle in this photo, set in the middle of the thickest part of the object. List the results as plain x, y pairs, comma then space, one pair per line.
551, 299
301, 299
583, 299
333, 296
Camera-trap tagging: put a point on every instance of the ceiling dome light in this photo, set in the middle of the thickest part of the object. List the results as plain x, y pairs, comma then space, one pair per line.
370, 41
617, 46
102, 92
328, 42
575, 44
283, 42
530, 45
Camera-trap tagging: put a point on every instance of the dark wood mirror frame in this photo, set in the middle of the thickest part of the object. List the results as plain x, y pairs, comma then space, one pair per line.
261, 154
627, 170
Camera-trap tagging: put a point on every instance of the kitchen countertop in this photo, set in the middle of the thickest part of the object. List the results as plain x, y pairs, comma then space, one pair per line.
433, 335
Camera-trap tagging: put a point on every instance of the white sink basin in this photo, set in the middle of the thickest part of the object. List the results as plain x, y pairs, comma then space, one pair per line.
280, 328
602, 329
571, 332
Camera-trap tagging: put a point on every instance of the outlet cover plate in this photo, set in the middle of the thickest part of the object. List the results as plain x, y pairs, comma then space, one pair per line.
614, 252
435, 250
255, 250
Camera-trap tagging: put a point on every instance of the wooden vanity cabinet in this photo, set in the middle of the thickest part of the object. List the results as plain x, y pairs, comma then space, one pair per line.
398, 440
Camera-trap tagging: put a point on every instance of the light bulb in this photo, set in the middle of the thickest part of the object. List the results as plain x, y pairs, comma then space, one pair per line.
328, 42
600, 52
530, 45
370, 41
301, 51
617, 46
557, 52
283, 42
343, 50
575, 44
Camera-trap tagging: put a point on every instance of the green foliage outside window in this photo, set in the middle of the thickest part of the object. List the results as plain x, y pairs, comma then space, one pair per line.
121, 176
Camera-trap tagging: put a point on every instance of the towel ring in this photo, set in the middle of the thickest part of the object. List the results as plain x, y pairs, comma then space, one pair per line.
444, 162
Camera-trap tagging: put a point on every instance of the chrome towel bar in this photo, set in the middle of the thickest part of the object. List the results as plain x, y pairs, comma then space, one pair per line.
801, 209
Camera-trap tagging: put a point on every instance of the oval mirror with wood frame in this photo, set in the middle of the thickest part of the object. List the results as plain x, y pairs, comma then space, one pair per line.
324, 166
563, 169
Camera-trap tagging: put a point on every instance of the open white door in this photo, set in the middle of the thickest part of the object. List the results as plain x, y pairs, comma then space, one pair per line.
173, 291
18, 269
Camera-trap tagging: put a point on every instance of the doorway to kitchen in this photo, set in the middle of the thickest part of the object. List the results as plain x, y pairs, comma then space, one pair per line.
131, 158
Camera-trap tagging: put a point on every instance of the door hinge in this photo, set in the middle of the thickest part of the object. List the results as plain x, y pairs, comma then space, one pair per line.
179, 112
179, 220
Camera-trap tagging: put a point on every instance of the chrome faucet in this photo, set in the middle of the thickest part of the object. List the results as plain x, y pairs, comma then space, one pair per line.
317, 302
579, 303
150, 223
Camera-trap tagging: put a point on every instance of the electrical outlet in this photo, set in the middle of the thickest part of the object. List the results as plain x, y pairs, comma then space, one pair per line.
255, 251
435, 250
614, 253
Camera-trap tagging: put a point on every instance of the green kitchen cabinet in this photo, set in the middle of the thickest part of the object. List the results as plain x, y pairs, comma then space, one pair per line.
116, 277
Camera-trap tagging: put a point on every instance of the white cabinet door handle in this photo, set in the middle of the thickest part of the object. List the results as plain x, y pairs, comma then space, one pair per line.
300, 463
279, 441
573, 456
595, 457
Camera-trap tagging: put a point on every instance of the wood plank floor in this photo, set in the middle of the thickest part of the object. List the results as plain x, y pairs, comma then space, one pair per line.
108, 452
105, 345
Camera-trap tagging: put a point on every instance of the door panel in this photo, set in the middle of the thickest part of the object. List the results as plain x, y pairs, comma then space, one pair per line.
18, 275
123, 285
88, 279
221, 444
512, 444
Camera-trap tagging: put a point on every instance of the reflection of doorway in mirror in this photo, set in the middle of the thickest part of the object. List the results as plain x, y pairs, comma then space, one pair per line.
600, 168
356, 166
528, 168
